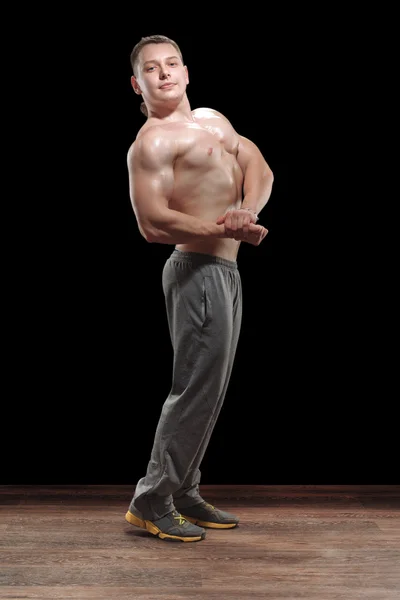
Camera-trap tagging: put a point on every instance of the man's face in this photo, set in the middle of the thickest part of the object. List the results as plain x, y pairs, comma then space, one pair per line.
161, 76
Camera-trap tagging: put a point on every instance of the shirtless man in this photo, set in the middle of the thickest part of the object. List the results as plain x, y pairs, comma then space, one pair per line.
196, 184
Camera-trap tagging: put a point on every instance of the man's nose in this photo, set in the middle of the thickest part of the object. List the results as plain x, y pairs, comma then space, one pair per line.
164, 73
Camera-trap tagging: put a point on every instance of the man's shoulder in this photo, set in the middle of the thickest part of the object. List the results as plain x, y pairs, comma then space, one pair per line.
151, 144
149, 135
149, 131
207, 113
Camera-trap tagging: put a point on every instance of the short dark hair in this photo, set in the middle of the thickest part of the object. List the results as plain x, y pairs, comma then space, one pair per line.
150, 39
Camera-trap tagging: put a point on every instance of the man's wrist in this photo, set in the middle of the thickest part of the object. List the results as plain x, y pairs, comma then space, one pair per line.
254, 212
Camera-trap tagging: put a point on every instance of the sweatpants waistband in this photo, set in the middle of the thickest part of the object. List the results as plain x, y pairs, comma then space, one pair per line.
199, 258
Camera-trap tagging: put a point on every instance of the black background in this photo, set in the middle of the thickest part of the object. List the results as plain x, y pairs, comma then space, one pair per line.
87, 354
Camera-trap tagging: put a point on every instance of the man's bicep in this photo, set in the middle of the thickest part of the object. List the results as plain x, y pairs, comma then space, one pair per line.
149, 189
150, 182
247, 152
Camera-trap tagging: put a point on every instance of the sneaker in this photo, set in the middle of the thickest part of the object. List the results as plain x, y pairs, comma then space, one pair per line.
206, 515
172, 527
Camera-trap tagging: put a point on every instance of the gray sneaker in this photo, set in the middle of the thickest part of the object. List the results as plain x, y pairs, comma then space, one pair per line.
207, 515
172, 527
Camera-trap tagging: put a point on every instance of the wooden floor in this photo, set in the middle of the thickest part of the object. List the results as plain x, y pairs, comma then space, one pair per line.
293, 542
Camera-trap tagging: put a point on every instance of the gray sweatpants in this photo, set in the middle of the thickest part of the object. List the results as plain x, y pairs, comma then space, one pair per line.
203, 296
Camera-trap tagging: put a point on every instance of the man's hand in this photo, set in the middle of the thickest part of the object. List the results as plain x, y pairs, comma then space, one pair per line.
240, 225
255, 235
236, 220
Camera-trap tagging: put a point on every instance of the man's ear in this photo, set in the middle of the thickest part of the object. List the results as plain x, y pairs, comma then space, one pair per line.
135, 85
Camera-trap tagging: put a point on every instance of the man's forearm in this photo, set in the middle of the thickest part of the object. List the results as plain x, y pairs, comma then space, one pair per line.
257, 187
173, 227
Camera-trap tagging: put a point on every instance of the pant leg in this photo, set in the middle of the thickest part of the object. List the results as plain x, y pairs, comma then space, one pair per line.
189, 492
203, 306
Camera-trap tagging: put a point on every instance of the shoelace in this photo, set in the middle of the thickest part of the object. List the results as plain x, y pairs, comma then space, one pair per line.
179, 518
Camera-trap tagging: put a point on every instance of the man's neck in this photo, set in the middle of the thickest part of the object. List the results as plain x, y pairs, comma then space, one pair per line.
170, 114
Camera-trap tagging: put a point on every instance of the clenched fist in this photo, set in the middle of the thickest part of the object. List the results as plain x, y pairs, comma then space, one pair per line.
241, 226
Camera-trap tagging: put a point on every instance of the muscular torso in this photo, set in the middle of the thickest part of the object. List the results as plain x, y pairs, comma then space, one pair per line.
207, 177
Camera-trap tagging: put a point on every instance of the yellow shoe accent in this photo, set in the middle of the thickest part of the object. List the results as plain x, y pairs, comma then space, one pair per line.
133, 520
180, 519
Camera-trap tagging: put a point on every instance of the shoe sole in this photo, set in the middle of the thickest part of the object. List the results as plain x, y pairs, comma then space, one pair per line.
133, 520
210, 524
